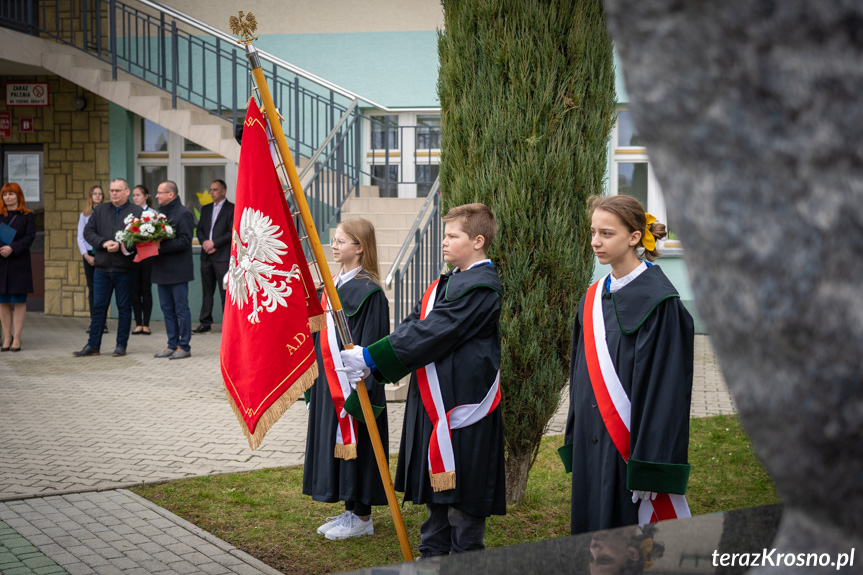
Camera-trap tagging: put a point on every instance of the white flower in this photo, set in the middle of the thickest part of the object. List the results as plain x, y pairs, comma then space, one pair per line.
163, 216
149, 214
168, 230
118, 236
147, 229
128, 219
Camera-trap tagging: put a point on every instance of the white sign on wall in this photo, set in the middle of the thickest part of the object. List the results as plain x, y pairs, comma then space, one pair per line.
27, 94
25, 169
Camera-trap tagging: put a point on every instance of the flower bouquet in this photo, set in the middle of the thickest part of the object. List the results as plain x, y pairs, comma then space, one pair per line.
146, 232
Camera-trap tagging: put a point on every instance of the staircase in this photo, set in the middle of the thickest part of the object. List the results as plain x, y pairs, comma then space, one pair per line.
392, 218
129, 92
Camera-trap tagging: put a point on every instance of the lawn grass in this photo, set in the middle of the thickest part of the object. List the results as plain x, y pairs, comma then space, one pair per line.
265, 514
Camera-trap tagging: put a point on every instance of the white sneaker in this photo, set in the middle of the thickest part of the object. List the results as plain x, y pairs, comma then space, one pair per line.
333, 522
352, 527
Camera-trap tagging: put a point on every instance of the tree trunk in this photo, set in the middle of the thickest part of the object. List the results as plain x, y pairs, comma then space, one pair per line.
517, 470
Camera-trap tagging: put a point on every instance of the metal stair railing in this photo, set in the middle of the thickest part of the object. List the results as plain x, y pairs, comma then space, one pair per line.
201, 65
337, 172
425, 261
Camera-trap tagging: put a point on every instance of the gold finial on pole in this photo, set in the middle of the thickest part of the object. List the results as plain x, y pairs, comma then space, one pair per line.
244, 26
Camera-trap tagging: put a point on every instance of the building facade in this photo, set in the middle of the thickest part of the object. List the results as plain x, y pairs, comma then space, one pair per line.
149, 121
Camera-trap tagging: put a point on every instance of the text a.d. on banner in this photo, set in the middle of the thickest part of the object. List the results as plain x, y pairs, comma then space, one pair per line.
267, 354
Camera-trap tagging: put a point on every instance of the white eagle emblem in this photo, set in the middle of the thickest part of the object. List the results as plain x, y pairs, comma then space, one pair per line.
253, 269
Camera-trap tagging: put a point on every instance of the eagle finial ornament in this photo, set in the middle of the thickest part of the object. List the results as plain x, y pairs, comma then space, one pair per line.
245, 26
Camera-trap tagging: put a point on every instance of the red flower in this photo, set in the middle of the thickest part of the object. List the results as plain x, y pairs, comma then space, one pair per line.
135, 229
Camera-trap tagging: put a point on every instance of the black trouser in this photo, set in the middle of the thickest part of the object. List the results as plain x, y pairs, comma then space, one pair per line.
448, 530
142, 294
88, 274
212, 273
360, 509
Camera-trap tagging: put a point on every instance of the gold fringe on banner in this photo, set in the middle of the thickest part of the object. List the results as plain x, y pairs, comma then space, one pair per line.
275, 411
348, 451
442, 481
317, 323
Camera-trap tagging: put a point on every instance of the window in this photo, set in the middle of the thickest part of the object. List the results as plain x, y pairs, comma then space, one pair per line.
428, 132
426, 175
154, 138
164, 155
632, 174
385, 133
402, 153
152, 176
197, 180
387, 180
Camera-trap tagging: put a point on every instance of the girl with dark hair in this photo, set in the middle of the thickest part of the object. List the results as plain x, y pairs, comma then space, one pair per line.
142, 287
340, 462
627, 434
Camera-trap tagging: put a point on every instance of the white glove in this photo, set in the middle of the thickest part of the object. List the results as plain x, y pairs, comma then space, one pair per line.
355, 375
353, 358
643, 495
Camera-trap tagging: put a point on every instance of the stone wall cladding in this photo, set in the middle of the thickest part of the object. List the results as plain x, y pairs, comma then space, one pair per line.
75, 157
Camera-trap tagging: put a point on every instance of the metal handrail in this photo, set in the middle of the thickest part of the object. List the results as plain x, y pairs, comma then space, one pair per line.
414, 227
423, 264
329, 138
204, 27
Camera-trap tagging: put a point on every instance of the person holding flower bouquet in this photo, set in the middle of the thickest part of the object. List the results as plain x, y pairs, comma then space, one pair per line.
173, 270
115, 268
145, 232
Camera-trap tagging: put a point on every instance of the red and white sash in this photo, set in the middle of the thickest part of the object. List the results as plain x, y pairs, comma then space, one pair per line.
441, 457
340, 389
614, 405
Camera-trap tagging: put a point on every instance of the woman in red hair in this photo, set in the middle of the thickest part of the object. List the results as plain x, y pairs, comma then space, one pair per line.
17, 232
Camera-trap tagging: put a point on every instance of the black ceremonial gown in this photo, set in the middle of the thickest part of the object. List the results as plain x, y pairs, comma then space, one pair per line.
461, 337
650, 339
326, 478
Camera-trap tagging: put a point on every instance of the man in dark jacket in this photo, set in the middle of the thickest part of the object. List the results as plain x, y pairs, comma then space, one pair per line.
214, 234
172, 271
115, 269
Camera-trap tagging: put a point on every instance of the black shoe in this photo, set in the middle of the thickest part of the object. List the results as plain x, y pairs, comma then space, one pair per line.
119, 351
105, 329
87, 351
202, 329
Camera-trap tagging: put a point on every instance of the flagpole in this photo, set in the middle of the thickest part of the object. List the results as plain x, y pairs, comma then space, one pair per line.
247, 28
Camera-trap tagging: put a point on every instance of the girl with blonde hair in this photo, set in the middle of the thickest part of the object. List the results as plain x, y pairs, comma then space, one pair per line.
95, 196
340, 462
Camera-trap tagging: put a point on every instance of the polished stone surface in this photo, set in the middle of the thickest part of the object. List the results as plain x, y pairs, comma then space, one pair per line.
751, 112
695, 546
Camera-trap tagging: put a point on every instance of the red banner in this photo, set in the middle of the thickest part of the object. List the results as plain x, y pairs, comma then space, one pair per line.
267, 354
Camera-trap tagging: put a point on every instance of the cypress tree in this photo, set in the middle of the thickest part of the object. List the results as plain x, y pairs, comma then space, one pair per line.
527, 104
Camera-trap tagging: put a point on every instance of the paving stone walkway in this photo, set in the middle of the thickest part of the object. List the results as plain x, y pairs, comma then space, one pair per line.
76, 431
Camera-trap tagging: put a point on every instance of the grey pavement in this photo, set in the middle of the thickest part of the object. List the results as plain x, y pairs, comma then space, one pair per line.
76, 431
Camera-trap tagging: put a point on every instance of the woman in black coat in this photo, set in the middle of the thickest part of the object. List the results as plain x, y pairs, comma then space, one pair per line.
17, 232
142, 289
